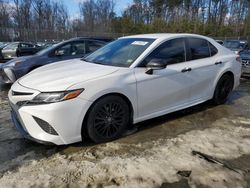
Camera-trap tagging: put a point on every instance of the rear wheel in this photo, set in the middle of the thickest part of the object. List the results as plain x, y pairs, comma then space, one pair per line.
107, 119
223, 89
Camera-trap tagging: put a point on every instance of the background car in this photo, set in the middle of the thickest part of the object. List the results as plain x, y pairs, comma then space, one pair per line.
48, 44
220, 42
16, 49
74, 48
235, 45
245, 57
1, 47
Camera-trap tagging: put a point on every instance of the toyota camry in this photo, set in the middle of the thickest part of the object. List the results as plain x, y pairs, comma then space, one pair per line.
130, 80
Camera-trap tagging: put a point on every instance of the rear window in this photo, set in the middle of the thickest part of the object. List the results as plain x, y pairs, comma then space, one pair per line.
198, 48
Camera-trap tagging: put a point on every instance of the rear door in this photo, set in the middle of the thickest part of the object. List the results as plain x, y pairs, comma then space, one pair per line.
202, 61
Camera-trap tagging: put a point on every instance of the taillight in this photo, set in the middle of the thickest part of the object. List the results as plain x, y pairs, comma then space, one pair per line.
238, 59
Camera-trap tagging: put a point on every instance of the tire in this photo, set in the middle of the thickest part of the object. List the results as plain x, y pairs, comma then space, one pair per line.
107, 119
223, 89
18, 54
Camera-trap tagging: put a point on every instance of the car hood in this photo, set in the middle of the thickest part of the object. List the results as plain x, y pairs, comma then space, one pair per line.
22, 59
60, 76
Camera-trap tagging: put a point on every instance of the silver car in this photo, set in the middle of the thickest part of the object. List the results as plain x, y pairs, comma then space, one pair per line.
17, 49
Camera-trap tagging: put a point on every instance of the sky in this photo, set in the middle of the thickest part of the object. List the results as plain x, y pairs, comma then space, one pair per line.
73, 6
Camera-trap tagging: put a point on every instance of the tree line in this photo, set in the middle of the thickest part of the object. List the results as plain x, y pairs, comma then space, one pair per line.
48, 19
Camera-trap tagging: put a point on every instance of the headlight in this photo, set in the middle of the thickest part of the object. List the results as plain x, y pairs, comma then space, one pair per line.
53, 97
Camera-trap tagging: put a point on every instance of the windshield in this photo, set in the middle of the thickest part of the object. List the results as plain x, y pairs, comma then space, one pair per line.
2, 45
11, 46
48, 49
121, 53
234, 44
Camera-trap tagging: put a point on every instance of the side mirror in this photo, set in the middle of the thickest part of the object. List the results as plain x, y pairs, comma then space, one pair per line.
155, 64
59, 52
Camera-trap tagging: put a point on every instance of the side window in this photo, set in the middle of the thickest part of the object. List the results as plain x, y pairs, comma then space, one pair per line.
31, 45
170, 52
78, 48
11, 46
94, 45
65, 50
213, 49
198, 48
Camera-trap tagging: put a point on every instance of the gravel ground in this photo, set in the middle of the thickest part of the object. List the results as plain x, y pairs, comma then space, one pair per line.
203, 146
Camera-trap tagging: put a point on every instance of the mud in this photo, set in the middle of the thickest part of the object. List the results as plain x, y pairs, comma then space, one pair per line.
151, 157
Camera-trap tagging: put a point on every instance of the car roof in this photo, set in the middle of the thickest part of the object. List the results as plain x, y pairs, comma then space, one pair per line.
91, 38
164, 35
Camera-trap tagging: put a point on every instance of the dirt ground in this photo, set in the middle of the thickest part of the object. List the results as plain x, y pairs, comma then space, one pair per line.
203, 146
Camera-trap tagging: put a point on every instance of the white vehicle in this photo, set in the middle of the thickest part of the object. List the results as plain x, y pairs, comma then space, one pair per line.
130, 80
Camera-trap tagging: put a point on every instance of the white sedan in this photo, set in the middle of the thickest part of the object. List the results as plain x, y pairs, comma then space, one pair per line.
130, 80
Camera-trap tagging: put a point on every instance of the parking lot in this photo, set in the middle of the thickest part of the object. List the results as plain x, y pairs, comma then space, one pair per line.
198, 147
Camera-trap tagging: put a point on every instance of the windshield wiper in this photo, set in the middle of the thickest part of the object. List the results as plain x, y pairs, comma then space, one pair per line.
84, 59
95, 62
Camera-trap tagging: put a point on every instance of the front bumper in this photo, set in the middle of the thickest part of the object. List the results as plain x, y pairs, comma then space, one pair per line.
65, 118
20, 129
7, 76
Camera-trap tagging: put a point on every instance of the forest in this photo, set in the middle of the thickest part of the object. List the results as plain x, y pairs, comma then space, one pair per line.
48, 19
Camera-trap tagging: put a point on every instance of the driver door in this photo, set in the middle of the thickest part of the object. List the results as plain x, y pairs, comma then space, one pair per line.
167, 89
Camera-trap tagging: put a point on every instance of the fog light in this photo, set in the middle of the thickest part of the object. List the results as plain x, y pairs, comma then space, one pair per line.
45, 126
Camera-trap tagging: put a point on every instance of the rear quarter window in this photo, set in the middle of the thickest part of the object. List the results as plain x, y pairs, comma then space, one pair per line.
213, 49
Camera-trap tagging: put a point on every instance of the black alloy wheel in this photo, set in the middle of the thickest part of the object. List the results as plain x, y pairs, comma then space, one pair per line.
223, 89
107, 119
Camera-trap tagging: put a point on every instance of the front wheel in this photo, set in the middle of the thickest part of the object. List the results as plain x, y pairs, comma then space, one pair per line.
107, 119
223, 89
18, 54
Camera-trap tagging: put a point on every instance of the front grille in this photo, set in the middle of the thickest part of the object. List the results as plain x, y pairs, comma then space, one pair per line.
16, 93
45, 126
246, 62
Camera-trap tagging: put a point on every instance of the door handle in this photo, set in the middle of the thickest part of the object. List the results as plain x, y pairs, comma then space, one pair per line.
186, 70
218, 63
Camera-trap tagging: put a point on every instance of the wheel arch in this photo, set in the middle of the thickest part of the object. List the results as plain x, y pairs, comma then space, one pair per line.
227, 72
124, 97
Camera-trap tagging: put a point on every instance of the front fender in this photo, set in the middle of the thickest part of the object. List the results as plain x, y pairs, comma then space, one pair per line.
124, 84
